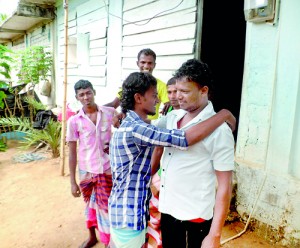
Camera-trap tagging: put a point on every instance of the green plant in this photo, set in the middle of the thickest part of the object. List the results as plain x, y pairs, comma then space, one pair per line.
20, 124
34, 64
3, 17
3, 146
34, 104
49, 136
5, 67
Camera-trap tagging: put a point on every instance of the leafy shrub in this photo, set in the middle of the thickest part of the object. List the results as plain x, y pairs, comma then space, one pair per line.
50, 135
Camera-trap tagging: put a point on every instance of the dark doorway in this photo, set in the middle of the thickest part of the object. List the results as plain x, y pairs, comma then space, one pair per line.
223, 49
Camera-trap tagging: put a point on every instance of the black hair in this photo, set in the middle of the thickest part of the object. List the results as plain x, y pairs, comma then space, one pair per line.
196, 71
147, 52
171, 81
82, 84
136, 82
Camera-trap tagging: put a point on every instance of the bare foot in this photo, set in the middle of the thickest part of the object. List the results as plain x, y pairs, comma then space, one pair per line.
88, 243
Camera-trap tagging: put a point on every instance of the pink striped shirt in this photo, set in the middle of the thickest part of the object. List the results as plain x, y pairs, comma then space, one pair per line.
92, 139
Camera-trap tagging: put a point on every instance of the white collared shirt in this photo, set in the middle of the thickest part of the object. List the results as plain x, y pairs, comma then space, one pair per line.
188, 179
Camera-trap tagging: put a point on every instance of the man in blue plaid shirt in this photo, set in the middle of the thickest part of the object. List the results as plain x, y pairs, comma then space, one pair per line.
130, 155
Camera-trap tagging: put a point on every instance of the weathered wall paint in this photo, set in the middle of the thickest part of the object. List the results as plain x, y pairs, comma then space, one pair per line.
268, 142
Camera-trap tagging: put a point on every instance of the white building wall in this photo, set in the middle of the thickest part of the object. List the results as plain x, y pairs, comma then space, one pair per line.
168, 28
268, 140
87, 47
116, 31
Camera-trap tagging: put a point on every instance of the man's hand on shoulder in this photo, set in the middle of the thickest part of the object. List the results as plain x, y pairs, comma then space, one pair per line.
165, 108
229, 118
231, 122
117, 119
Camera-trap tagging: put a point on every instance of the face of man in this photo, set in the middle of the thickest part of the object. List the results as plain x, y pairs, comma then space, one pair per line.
146, 63
191, 97
149, 100
172, 95
86, 96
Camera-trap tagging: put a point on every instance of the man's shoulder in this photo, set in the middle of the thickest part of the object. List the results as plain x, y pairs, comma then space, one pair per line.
135, 122
170, 117
130, 126
75, 116
162, 91
221, 131
160, 82
176, 112
106, 109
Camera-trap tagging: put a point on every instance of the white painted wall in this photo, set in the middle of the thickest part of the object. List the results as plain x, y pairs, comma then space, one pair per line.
268, 140
168, 28
117, 31
87, 30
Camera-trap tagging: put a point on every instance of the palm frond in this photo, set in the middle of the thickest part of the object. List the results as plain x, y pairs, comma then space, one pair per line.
21, 124
5, 74
34, 103
50, 135
5, 66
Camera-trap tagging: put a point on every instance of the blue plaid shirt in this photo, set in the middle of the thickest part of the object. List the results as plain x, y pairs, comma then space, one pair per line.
130, 154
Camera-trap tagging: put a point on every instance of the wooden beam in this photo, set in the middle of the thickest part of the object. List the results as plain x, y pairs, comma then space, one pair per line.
4, 40
12, 31
30, 10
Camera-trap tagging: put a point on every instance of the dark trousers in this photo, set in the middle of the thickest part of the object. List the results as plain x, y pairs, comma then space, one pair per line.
182, 234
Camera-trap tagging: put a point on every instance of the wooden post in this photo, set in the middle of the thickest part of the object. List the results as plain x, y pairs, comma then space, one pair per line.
63, 122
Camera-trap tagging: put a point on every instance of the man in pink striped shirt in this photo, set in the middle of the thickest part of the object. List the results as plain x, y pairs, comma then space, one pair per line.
91, 129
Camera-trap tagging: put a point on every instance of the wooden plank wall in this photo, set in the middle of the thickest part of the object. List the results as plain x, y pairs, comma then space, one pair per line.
84, 18
41, 36
167, 27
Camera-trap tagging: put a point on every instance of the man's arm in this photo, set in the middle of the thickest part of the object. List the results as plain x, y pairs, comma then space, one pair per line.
155, 163
165, 108
155, 159
163, 96
203, 129
72, 165
115, 103
117, 119
212, 240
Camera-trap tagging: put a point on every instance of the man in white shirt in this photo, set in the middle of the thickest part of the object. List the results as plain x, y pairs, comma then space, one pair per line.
193, 211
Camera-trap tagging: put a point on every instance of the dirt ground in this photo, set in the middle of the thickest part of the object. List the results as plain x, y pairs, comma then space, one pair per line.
38, 210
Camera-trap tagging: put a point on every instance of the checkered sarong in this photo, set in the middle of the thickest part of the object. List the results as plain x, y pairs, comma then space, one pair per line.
153, 229
101, 184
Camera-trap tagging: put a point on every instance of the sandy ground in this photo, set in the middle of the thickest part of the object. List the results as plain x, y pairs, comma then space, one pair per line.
38, 210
